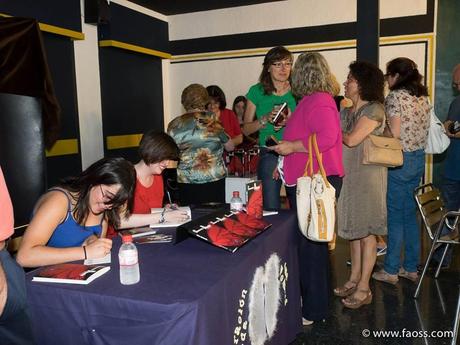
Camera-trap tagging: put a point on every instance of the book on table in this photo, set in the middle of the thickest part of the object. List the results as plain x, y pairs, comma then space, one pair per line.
166, 224
138, 232
226, 229
70, 273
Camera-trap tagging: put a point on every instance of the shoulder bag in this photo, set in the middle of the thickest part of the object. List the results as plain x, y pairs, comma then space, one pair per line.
437, 141
315, 199
383, 151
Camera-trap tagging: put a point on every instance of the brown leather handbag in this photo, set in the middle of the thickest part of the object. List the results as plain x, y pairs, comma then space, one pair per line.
383, 151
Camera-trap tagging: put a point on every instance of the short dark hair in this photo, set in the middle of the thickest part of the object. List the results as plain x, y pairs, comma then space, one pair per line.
237, 100
107, 171
157, 146
274, 55
216, 92
409, 77
370, 80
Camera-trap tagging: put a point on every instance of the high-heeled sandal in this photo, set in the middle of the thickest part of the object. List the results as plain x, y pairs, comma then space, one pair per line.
343, 291
354, 303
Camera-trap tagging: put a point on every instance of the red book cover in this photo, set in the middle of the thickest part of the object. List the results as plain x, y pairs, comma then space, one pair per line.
70, 273
255, 204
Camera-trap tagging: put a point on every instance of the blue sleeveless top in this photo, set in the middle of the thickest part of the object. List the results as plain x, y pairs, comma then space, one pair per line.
69, 233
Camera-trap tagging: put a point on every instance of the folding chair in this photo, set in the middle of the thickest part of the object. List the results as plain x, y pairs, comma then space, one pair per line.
434, 216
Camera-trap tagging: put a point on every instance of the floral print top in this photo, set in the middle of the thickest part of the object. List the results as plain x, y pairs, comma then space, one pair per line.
200, 137
415, 118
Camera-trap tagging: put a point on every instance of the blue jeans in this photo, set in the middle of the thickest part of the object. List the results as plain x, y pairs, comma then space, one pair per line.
271, 188
451, 196
15, 327
402, 214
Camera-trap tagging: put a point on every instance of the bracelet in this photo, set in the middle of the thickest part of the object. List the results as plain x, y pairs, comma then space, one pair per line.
84, 250
262, 121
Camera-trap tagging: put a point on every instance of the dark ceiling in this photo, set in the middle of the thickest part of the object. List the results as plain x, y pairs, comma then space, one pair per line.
170, 7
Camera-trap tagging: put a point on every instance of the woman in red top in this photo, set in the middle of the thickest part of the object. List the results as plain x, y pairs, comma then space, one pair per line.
156, 150
226, 116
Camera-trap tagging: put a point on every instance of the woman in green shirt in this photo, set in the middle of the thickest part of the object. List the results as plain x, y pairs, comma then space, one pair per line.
274, 88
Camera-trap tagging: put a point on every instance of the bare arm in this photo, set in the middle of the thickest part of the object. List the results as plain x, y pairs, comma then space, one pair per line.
395, 125
135, 220
363, 128
237, 140
250, 124
33, 251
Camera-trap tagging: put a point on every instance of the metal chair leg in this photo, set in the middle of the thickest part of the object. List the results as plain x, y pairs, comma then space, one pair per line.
441, 261
425, 268
456, 322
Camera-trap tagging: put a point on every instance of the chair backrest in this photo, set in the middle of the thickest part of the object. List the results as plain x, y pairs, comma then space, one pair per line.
430, 205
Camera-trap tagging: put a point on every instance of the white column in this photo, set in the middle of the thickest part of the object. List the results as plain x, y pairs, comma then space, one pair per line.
89, 94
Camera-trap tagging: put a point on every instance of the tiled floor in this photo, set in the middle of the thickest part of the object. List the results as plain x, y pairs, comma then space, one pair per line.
393, 309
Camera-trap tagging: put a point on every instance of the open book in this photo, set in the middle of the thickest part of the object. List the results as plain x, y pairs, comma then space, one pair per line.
70, 273
167, 224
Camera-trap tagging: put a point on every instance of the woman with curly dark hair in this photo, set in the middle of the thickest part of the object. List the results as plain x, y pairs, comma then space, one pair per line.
274, 88
408, 111
361, 207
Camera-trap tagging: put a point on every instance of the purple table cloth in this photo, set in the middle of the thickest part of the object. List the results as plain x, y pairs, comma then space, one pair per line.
189, 293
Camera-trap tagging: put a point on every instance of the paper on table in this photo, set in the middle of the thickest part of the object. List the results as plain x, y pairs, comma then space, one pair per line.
104, 260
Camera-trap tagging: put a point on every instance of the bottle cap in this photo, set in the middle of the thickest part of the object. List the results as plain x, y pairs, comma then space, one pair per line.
127, 238
236, 194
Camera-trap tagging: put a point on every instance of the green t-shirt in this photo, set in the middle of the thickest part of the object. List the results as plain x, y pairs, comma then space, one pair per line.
264, 105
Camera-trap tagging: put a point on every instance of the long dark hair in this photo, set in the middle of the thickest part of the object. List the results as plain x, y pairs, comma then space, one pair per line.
409, 77
107, 171
370, 80
274, 55
237, 100
216, 92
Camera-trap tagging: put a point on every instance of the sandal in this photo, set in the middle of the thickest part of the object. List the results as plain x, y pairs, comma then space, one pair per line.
353, 303
344, 291
413, 276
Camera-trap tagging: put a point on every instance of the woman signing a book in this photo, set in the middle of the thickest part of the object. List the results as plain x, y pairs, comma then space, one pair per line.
156, 150
70, 221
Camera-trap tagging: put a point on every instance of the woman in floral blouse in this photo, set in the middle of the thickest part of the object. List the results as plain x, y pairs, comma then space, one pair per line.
201, 139
408, 110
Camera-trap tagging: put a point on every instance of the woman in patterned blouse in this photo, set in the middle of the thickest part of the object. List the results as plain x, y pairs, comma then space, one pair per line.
201, 139
408, 110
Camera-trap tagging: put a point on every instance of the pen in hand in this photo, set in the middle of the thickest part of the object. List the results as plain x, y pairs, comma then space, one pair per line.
171, 205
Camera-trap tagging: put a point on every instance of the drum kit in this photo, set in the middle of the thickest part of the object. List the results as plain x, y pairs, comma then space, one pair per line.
243, 162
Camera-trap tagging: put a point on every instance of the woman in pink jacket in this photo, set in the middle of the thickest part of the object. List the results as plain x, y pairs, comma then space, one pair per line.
315, 86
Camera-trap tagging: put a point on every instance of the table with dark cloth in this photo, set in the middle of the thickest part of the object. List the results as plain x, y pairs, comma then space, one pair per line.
189, 293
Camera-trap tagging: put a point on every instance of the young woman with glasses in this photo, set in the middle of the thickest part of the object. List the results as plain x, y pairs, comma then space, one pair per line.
70, 221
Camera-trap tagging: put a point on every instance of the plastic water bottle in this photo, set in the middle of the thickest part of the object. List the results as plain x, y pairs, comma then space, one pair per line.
236, 204
129, 264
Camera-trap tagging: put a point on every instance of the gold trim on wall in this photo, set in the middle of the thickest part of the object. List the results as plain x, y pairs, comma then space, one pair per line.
63, 147
123, 141
76, 35
134, 48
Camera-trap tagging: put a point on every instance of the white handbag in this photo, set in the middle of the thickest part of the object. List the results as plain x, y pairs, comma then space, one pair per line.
315, 199
437, 141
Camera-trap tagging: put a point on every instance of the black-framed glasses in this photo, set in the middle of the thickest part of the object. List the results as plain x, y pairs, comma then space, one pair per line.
104, 196
279, 64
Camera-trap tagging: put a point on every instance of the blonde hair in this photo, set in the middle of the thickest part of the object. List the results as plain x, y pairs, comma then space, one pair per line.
311, 73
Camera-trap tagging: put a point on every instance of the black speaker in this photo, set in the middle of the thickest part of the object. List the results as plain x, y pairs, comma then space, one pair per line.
97, 12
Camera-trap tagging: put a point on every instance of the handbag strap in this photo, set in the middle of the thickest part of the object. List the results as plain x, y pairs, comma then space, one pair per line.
319, 158
313, 145
309, 166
